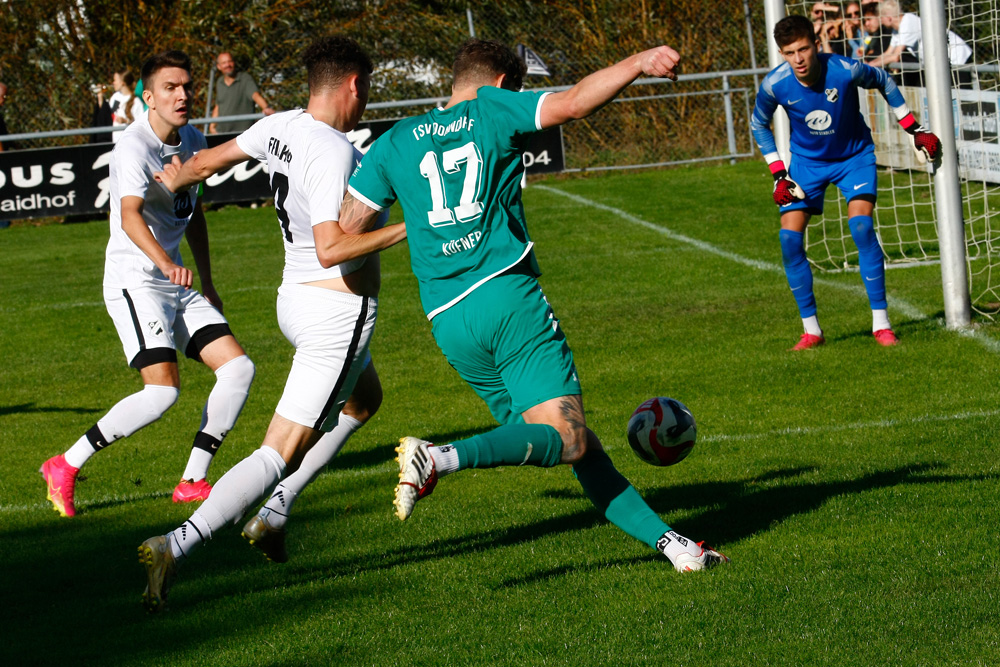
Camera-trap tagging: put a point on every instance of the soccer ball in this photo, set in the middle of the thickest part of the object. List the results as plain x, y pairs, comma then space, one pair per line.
661, 431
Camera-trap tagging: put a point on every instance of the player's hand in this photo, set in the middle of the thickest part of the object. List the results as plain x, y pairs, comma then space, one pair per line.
786, 190
179, 275
926, 144
661, 62
208, 291
169, 174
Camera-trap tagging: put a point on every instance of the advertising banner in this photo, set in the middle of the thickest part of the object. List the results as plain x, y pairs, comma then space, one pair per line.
73, 180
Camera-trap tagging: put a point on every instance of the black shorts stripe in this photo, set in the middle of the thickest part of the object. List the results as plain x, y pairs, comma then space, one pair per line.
203, 336
135, 320
352, 349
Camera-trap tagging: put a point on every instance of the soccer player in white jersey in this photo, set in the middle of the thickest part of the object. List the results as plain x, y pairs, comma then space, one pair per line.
148, 291
326, 307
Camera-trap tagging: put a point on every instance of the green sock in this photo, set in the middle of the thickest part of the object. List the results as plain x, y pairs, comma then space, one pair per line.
617, 499
511, 445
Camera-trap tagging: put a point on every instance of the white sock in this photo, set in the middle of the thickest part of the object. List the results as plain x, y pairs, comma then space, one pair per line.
811, 326
279, 505
223, 407
126, 417
242, 487
445, 459
275, 511
189, 536
676, 545
880, 320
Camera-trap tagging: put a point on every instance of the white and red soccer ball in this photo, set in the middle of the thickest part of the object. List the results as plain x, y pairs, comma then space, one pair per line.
661, 431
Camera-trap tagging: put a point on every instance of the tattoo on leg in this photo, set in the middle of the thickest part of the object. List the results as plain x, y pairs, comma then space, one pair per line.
572, 412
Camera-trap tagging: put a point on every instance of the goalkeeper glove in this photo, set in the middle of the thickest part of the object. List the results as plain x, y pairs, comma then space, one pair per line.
926, 144
786, 190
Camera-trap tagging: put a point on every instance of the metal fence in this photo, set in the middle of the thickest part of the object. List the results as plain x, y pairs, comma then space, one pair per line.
703, 116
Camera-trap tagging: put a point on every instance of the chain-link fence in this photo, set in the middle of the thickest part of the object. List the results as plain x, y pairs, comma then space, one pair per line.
58, 50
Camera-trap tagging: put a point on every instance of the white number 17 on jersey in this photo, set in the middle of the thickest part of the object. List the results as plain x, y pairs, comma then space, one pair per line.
469, 208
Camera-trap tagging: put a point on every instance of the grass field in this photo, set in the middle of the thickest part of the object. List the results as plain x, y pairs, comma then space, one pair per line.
854, 487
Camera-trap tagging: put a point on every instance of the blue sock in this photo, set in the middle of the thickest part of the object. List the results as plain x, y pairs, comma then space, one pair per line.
798, 271
869, 259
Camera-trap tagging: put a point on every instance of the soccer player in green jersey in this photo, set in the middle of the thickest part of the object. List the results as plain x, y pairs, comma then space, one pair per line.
456, 171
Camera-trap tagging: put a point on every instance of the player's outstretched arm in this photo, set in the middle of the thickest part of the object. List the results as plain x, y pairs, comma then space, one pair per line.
138, 231
197, 238
599, 88
356, 217
334, 246
205, 163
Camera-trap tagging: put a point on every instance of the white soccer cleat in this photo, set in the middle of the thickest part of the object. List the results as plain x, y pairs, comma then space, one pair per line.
708, 559
417, 475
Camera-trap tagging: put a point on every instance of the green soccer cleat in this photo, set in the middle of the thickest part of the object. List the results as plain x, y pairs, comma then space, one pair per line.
155, 554
271, 541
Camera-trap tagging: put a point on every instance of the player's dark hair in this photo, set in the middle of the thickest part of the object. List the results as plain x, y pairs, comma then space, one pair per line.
481, 60
329, 60
162, 61
793, 28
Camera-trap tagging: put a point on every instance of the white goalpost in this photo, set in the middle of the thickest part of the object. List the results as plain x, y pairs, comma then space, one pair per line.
919, 216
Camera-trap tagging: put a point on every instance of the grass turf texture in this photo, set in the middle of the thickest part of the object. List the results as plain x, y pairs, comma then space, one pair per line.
855, 487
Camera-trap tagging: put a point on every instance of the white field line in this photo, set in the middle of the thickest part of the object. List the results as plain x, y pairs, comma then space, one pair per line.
909, 310
389, 467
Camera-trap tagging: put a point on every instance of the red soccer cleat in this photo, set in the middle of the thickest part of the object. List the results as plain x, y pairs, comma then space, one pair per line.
61, 479
808, 341
189, 491
885, 337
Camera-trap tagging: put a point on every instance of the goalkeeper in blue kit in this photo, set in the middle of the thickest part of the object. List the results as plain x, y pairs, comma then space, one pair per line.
830, 143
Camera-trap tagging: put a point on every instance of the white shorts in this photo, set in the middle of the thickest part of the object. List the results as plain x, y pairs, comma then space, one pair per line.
330, 331
154, 322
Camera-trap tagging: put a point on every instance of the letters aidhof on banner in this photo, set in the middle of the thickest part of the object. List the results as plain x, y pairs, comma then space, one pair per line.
73, 180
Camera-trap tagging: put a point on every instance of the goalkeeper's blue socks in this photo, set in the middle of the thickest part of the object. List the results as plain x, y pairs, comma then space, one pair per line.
869, 259
798, 271
507, 445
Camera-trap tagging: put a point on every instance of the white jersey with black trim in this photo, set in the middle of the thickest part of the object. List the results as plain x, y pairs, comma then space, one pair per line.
309, 164
136, 156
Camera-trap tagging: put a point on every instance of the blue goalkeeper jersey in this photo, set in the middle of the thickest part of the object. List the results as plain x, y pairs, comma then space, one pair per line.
825, 118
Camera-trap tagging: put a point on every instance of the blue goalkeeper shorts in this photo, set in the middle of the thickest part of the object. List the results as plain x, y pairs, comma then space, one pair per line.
855, 176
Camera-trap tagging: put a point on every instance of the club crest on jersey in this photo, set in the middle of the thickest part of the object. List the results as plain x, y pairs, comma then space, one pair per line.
832, 94
818, 120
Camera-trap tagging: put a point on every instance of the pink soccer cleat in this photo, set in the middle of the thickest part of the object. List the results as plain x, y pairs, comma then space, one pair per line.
885, 337
189, 491
61, 479
808, 341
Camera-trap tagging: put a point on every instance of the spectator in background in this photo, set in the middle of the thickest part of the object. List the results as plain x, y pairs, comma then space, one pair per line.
877, 38
3, 124
854, 33
907, 45
235, 95
102, 114
830, 32
125, 106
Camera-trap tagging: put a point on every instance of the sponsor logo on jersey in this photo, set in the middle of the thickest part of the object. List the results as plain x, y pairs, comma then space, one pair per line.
183, 206
832, 95
818, 120
791, 102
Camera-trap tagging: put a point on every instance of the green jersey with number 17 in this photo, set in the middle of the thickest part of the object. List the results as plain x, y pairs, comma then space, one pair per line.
457, 174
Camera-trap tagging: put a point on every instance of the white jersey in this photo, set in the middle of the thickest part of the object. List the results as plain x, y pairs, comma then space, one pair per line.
309, 164
136, 156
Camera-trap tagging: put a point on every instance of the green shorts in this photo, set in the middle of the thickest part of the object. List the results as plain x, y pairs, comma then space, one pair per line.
505, 341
